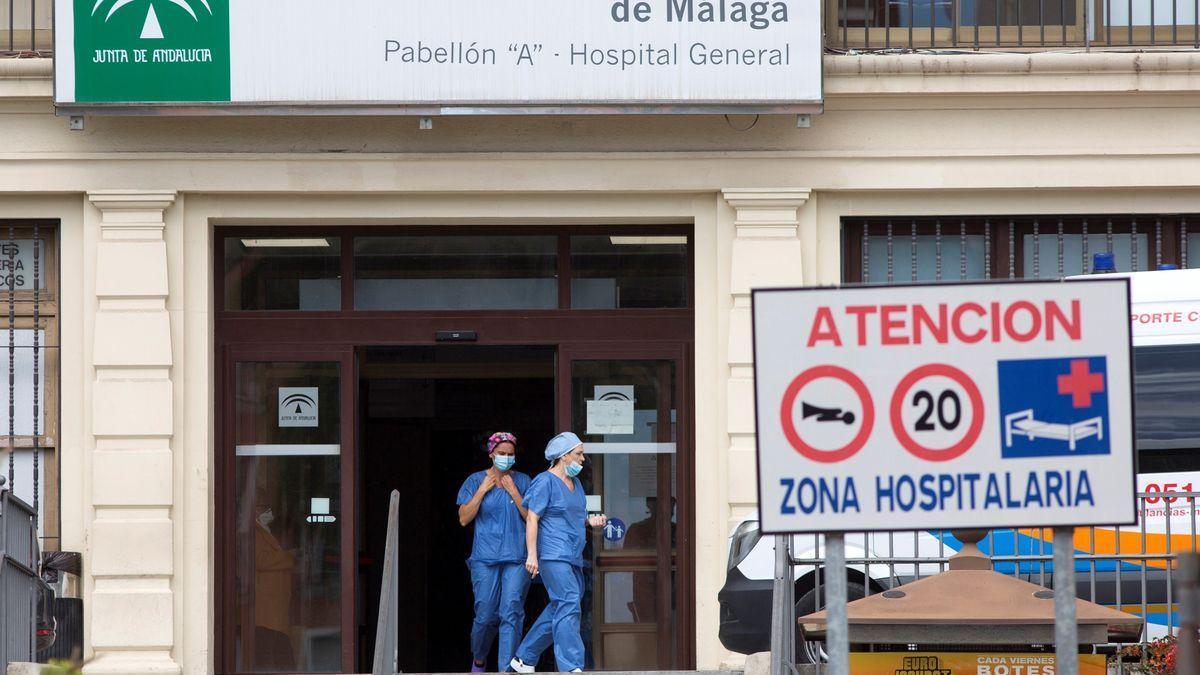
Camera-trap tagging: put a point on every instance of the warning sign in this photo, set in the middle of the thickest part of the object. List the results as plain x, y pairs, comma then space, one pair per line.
835, 414
940, 427
921, 663
941, 406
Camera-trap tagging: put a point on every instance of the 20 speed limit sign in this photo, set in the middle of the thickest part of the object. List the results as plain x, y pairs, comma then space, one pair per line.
955, 405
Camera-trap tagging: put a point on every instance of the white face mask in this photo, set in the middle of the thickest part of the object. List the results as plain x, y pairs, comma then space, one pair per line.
266, 518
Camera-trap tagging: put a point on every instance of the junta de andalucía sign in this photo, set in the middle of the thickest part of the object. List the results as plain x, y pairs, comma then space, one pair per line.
246, 53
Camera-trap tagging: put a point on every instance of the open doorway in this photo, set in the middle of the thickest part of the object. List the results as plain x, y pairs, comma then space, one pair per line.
424, 414
307, 450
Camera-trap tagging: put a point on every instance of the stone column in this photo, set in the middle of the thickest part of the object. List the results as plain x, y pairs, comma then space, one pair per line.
766, 252
129, 557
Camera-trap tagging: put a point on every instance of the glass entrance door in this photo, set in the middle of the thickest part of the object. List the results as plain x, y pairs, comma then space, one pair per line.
289, 458
627, 407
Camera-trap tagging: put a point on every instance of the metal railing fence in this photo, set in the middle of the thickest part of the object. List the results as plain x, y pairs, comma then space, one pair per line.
1188, 656
18, 580
1138, 574
883, 25
899, 249
26, 27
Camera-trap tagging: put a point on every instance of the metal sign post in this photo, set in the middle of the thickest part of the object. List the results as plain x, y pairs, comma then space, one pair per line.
1066, 630
1188, 657
837, 632
783, 610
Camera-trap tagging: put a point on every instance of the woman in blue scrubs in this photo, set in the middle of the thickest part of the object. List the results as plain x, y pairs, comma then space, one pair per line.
555, 527
493, 500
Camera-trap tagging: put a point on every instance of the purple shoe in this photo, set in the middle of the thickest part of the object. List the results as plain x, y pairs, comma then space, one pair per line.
477, 667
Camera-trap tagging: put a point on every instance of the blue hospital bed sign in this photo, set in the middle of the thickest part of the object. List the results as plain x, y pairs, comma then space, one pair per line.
1054, 407
955, 405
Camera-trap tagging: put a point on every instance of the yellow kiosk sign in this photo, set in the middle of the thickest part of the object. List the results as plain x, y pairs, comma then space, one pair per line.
950, 663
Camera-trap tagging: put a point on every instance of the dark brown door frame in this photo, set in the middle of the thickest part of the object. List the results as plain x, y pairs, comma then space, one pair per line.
296, 335
289, 338
684, 562
225, 544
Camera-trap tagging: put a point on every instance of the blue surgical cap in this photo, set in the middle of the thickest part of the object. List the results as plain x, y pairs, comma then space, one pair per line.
561, 445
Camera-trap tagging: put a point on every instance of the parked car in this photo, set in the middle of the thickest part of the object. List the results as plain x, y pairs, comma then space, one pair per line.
745, 599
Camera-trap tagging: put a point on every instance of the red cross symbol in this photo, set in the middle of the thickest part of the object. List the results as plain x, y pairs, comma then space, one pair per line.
1080, 384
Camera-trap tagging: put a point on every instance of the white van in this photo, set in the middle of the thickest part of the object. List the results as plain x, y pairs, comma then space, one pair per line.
1166, 338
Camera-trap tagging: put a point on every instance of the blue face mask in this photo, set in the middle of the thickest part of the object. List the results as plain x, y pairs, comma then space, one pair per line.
574, 469
504, 462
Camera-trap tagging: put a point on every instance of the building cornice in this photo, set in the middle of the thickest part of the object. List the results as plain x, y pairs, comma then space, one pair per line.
25, 79
1007, 73
37, 68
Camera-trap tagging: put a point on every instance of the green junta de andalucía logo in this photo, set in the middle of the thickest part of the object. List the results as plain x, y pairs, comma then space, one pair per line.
151, 28
134, 51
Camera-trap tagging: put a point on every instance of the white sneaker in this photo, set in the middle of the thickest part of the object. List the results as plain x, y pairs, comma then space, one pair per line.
576, 670
519, 666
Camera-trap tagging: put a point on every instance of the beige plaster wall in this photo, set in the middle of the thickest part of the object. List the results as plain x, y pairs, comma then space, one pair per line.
902, 135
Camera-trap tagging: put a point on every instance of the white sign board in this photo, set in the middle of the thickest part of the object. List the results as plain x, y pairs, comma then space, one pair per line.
299, 406
955, 405
1166, 307
431, 53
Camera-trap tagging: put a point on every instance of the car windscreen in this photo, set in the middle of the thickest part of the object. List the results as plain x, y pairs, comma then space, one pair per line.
1167, 397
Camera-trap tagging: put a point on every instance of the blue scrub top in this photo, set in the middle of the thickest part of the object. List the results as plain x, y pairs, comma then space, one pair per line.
561, 518
499, 528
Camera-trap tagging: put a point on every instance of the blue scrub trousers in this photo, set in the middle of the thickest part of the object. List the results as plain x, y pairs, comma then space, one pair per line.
559, 622
499, 605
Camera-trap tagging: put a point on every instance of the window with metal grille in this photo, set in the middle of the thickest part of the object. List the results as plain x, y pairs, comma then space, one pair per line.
29, 383
902, 249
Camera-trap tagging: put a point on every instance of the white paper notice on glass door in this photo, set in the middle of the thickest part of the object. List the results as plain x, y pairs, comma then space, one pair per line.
610, 417
611, 410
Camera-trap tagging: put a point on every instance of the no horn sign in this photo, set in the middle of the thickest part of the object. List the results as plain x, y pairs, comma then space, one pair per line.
953, 405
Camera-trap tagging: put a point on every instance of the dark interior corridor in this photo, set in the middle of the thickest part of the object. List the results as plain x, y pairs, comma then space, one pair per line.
424, 417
